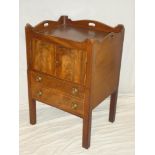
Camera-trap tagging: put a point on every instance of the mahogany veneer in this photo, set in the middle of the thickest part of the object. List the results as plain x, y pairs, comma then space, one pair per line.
73, 66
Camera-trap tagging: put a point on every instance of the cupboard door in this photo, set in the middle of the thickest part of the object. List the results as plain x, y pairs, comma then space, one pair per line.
70, 64
43, 54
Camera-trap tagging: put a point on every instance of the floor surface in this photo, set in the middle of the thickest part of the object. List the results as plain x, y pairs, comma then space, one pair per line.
59, 133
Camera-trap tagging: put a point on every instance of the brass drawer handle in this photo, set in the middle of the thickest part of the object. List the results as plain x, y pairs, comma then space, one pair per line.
38, 78
74, 106
39, 93
75, 91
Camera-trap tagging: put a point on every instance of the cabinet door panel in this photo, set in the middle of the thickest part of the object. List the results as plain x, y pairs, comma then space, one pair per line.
43, 56
71, 64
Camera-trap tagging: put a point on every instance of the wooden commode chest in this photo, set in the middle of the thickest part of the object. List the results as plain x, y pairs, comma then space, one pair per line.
73, 66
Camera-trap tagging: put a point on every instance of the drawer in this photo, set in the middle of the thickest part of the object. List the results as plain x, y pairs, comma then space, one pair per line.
58, 99
61, 85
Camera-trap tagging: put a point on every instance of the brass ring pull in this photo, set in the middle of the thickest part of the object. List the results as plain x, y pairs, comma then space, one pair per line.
39, 93
38, 78
74, 91
74, 106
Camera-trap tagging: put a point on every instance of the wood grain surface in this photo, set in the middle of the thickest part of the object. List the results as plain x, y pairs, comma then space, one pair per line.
43, 56
59, 133
64, 63
53, 82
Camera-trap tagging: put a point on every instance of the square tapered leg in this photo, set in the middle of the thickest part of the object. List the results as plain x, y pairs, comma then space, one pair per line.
32, 111
113, 103
87, 130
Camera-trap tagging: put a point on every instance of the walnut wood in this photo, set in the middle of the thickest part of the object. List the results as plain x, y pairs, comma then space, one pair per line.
74, 66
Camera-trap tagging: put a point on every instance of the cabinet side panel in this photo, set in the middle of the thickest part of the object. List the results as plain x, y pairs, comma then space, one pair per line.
107, 66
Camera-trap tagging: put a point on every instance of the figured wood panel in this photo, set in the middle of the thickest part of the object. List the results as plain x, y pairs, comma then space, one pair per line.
64, 63
71, 64
43, 56
63, 86
56, 98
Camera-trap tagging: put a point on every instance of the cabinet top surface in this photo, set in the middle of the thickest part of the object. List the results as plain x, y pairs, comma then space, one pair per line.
74, 33
78, 31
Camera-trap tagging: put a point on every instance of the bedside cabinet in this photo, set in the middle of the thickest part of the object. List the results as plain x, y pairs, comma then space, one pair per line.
73, 66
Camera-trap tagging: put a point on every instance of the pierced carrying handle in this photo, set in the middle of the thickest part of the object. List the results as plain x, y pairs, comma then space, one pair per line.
92, 24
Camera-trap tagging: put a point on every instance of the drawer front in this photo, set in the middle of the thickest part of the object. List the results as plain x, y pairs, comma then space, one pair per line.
58, 99
63, 63
51, 82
